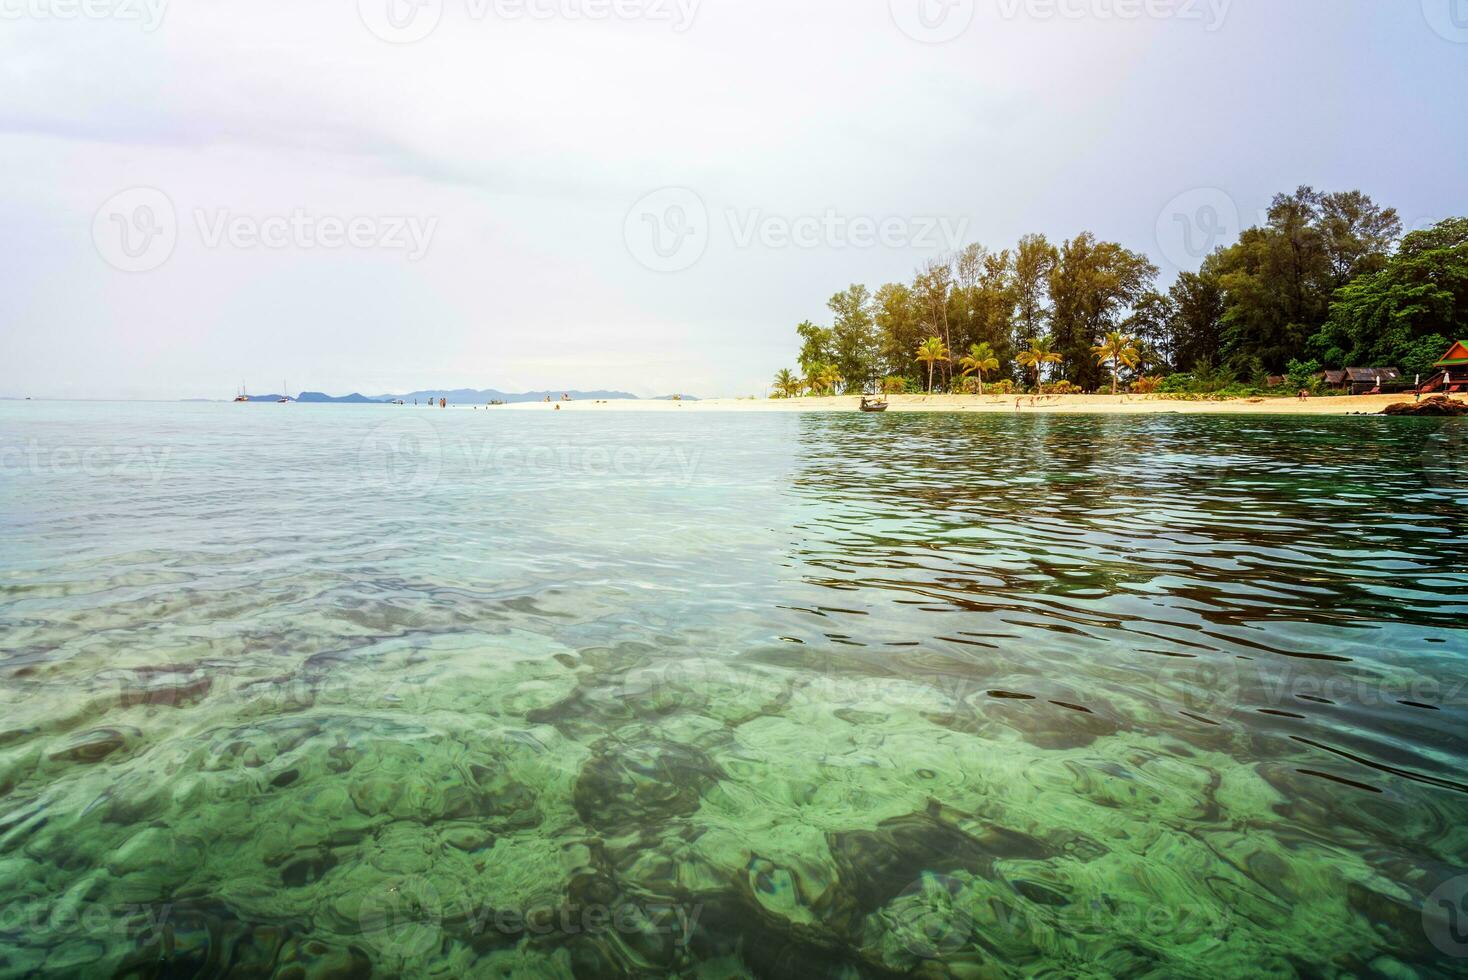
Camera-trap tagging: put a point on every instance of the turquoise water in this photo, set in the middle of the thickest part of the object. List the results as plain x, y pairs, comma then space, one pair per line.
330, 691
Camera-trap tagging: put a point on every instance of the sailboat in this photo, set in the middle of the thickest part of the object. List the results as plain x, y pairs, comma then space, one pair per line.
242, 396
284, 399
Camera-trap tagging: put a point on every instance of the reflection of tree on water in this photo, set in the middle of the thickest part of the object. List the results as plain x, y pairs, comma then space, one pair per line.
1193, 571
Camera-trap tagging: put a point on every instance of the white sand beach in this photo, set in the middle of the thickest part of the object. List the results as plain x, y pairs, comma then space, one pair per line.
1055, 404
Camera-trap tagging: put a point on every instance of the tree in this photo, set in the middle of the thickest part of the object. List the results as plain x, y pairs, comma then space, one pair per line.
1196, 326
824, 379
1278, 279
930, 352
979, 360
899, 322
981, 310
816, 346
854, 336
1041, 352
1033, 261
1357, 234
1117, 349
1406, 314
933, 284
1151, 324
787, 384
1094, 284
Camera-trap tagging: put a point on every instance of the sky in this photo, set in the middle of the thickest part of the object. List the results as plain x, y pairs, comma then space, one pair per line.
646, 195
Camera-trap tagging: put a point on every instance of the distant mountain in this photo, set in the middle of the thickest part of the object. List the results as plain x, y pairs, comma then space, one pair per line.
316, 397
456, 396
674, 398
469, 396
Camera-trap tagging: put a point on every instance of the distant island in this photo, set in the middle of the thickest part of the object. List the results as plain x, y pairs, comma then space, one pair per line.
454, 396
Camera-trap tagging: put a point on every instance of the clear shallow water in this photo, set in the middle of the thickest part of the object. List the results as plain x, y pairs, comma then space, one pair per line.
323, 691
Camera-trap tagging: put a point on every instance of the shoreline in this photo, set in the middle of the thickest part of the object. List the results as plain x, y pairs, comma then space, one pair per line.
997, 404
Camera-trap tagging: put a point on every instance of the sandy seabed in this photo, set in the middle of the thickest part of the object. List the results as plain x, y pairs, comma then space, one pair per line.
1057, 404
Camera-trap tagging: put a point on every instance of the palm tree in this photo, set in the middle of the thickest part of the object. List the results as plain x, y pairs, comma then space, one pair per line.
824, 378
1042, 351
1116, 349
979, 360
930, 352
787, 385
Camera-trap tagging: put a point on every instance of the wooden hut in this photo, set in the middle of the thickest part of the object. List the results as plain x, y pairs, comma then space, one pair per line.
1362, 381
1453, 370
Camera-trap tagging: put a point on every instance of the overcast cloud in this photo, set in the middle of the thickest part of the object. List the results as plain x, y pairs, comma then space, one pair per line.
639, 194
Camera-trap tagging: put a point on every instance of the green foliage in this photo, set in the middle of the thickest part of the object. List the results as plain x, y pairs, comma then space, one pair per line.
1195, 331
979, 361
1205, 380
787, 385
1003, 386
1396, 316
824, 379
1092, 288
931, 352
897, 385
816, 346
1040, 353
1316, 279
1062, 388
1146, 385
1278, 279
1300, 376
1119, 351
854, 340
